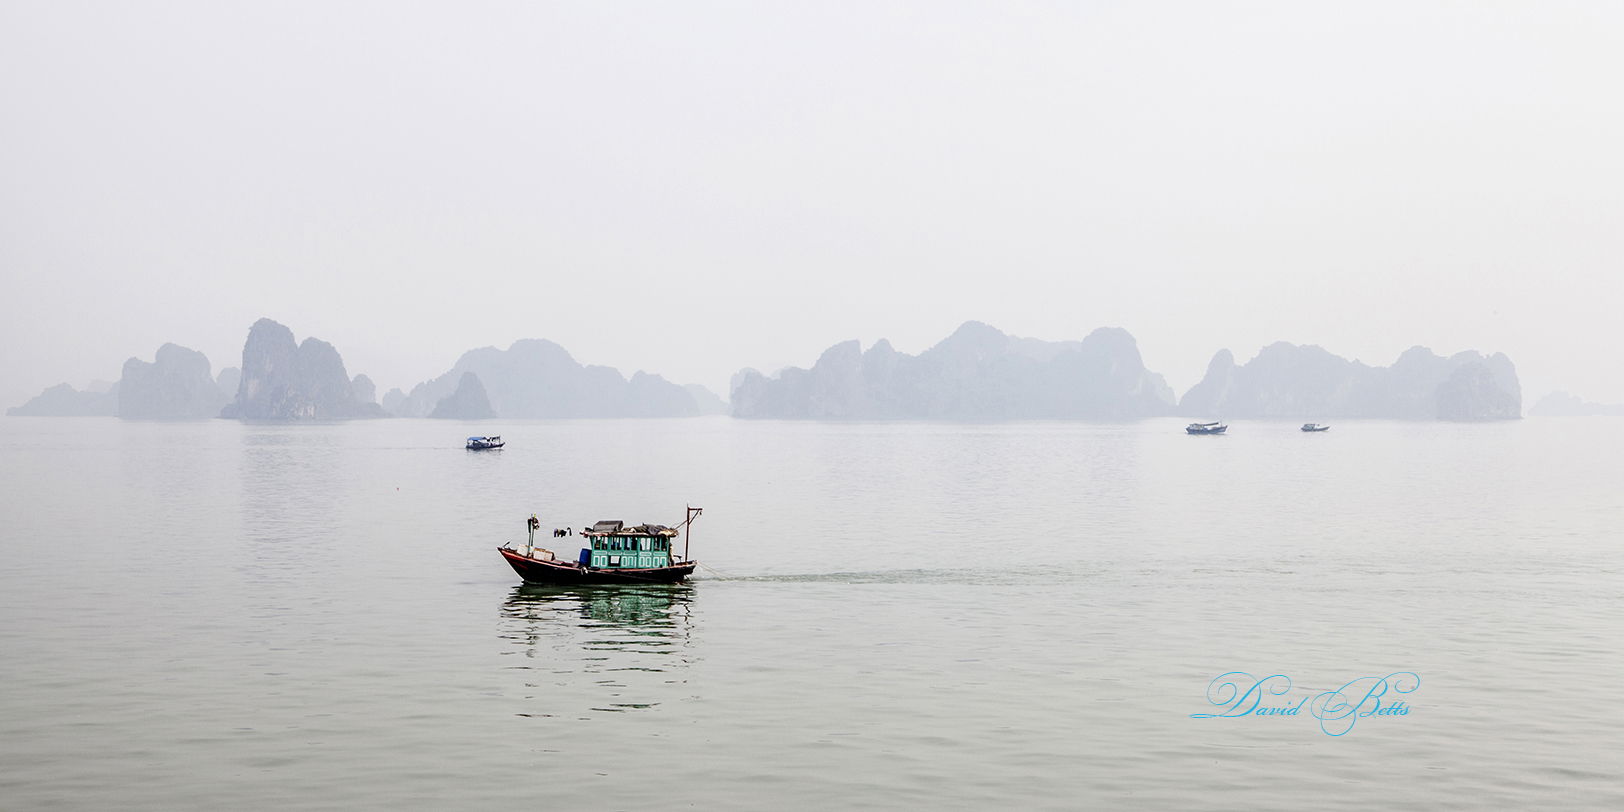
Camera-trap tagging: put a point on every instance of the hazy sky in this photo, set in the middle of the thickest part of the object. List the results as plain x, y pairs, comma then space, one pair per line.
690, 188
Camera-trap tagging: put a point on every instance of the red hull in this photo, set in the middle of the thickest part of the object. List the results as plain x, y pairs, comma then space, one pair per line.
568, 572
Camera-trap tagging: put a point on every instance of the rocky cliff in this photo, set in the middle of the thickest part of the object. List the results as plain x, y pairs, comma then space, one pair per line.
1292, 381
538, 379
1562, 404
176, 385
227, 382
63, 400
977, 373
707, 401
468, 402
393, 401
365, 390
284, 380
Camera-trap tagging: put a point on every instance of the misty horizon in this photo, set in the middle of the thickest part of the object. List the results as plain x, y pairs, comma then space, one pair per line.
1072, 392
692, 190
724, 391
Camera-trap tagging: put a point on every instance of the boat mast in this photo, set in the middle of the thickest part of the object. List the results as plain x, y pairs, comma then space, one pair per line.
690, 513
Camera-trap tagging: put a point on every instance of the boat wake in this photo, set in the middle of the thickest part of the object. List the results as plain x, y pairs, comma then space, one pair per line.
990, 577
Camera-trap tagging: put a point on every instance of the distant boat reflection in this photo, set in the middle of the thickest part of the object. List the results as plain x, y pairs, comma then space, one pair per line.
635, 639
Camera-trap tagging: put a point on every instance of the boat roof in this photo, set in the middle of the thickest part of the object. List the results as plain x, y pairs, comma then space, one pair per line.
619, 528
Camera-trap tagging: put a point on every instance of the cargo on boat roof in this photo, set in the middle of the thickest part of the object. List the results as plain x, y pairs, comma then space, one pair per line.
619, 528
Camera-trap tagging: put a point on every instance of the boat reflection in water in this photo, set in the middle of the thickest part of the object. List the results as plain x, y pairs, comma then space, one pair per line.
599, 648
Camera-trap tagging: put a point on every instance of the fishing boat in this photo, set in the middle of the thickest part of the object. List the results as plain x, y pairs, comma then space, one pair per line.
1215, 427
1315, 427
483, 443
615, 554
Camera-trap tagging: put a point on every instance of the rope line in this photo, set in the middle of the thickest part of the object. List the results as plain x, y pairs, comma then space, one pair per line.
714, 571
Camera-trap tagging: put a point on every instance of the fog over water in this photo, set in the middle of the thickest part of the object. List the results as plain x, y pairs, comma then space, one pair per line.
984, 564
694, 188
904, 615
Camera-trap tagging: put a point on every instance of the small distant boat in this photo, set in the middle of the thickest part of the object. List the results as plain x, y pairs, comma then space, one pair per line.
1215, 427
616, 554
482, 443
1315, 427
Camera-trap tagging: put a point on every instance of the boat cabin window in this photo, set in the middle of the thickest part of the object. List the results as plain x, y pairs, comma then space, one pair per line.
630, 551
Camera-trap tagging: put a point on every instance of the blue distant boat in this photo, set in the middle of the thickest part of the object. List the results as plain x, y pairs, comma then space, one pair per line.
1315, 427
1215, 427
483, 443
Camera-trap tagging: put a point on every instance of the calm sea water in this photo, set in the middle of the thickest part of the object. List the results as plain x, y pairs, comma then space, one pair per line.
902, 615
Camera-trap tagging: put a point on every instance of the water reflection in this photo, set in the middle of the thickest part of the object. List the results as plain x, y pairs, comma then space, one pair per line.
631, 642
293, 495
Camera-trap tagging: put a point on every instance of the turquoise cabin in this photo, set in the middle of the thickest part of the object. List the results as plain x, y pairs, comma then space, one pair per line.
614, 546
